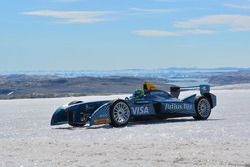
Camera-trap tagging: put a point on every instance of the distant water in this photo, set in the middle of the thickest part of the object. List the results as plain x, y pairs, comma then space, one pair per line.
178, 76
189, 82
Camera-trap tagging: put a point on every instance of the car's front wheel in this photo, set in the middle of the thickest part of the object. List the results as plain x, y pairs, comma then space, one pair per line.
203, 108
119, 113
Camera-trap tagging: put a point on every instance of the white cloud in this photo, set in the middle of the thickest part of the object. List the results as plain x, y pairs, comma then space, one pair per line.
239, 6
80, 17
203, 26
197, 32
160, 33
234, 22
151, 11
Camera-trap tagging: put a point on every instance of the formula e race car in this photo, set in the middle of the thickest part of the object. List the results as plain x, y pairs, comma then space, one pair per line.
149, 102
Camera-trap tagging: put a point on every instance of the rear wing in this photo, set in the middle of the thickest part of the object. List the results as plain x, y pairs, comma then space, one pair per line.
175, 90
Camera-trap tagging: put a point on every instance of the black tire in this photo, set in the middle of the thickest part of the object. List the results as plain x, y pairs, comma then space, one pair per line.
119, 113
71, 122
202, 108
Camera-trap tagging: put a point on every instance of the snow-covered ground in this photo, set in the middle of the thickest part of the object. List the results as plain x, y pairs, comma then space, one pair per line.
27, 139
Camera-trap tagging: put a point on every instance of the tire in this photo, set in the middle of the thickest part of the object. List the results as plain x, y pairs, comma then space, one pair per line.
119, 113
70, 120
202, 108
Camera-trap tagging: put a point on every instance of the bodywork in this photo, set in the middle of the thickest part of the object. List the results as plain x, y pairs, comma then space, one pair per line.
154, 103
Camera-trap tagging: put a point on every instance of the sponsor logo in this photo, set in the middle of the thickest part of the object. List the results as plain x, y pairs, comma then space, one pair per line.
143, 110
176, 106
101, 121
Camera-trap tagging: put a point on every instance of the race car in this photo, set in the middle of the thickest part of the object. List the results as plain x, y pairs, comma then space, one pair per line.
149, 102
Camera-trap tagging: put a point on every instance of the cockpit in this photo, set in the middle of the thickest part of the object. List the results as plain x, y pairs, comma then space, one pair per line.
150, 92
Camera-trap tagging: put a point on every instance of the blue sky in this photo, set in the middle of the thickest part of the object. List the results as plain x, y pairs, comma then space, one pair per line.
112, 34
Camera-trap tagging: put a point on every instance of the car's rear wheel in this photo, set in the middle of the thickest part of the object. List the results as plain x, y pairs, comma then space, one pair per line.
119, 113
202, 107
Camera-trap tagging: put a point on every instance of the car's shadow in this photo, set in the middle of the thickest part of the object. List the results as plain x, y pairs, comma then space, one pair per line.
166, 121
137, 123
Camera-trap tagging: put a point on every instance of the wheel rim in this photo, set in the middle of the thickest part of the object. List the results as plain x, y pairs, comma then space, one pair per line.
204, 108
121, 113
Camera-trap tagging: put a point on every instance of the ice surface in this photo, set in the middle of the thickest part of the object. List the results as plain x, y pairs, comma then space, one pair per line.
27, 139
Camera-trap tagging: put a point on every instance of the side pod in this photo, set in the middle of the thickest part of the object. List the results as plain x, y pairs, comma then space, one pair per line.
101, 115
189, 99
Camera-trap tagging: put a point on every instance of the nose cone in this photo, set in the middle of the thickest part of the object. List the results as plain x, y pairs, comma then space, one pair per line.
59, 117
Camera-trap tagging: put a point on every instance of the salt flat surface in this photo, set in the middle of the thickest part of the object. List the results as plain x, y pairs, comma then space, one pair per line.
26, 139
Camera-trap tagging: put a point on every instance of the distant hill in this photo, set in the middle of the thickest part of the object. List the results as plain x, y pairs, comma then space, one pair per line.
34, 86
80, 84
230, 78
153, 73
